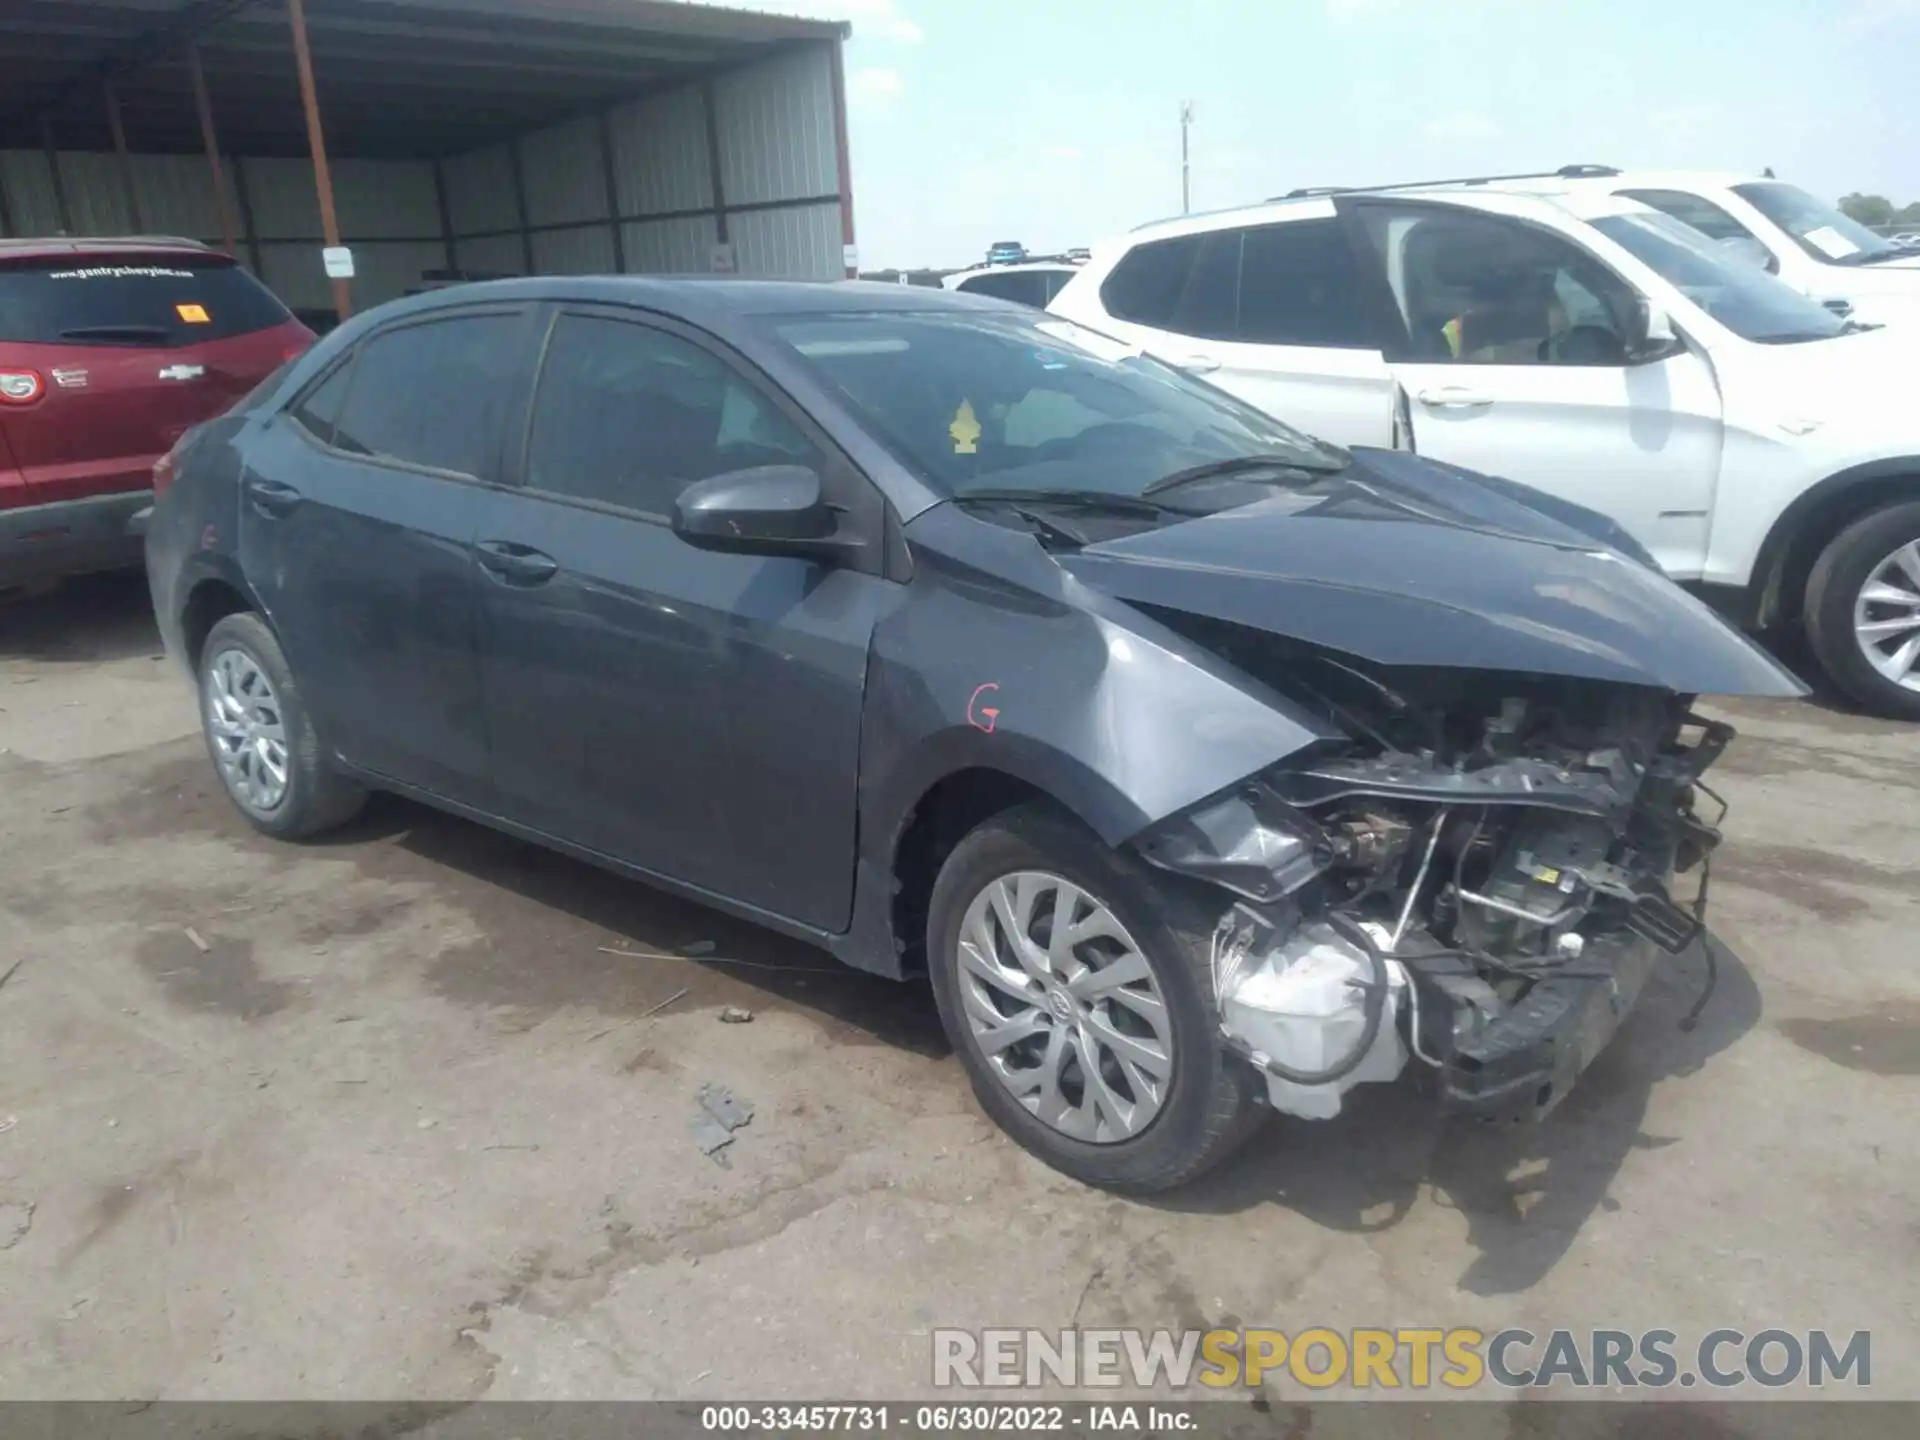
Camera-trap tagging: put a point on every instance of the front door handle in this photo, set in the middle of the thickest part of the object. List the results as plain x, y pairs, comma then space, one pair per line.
1197, 364
516, 564
1454, 397
273, 499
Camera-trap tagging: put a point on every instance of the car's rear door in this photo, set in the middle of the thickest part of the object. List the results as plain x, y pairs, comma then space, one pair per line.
692, 713
357, 520
129, 350
1279, 314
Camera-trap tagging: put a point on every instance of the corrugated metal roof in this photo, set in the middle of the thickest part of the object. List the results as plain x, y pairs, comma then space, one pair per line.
395, 77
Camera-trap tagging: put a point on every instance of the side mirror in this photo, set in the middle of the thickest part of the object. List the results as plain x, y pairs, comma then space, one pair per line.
766, 510
1649, 331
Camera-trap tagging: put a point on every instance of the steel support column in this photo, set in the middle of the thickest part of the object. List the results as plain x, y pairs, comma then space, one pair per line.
612, 176
843, 155
203, 103
710, 107
118, 129
317, 142
60, 210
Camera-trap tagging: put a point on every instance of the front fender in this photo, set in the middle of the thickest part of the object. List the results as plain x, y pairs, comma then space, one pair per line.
1000, 660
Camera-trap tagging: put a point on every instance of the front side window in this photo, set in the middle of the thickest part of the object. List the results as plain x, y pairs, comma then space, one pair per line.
432, 394
1479, 289
318, 411
981, 402
630, 416
1824, 231
1749, 302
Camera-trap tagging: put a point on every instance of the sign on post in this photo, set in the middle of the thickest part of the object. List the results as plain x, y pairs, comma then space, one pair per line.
339, 262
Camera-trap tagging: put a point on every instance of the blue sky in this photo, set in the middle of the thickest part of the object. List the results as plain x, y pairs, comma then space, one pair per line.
1056, 121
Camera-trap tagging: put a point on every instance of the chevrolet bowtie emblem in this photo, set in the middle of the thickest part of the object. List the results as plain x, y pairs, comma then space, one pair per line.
183, 372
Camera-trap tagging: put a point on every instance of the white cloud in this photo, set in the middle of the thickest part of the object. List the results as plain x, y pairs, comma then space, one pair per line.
875, 85
1460, 127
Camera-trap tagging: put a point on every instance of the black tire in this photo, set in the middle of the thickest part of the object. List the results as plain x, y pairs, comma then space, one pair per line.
317, 797
1212, 1100
1835, 584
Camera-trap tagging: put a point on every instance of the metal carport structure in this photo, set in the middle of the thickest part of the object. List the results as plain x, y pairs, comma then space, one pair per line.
494, 136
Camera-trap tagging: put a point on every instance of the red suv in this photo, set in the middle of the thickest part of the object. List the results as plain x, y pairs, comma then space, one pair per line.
109, 351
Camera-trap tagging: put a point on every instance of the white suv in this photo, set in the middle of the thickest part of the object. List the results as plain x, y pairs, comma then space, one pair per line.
1809, 243
1758, 445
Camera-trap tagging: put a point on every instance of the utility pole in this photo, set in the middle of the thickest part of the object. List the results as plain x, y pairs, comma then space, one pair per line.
1186, 170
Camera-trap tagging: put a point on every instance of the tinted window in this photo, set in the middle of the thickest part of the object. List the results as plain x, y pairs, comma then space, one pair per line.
1748, 302
1481, 290
1300, 285
631, 416
1025, 287
1210, 297
1146, 284
160, 300
432, 394
319, 409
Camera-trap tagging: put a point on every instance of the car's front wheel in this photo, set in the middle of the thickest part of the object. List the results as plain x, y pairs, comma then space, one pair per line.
1863, 611
1074, 983
261, 737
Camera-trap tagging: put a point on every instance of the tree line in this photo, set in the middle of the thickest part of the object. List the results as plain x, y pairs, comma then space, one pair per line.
1878, 211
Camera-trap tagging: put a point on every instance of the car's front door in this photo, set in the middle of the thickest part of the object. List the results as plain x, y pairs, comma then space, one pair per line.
694, 713
356, 522
1516, 362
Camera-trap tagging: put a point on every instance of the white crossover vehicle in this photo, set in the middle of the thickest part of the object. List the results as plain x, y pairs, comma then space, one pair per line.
1810, 243
1759, 446
1026, 282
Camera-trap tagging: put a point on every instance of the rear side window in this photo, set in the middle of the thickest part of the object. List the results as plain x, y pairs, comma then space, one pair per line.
160, 300
432, 394
1292, 284
1301, 285
1146, 285
1024, 287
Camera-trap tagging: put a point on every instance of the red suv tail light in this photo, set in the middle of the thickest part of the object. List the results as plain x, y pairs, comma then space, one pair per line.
21, 387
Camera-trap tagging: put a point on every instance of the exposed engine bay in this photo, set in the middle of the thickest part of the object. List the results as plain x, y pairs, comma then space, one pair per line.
1478, 883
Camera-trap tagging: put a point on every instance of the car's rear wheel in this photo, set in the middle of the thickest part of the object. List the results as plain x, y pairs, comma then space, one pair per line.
1074, 983
261, 737
1863, 611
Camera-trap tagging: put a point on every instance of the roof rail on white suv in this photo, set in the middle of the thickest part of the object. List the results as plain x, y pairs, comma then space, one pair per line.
1549, 330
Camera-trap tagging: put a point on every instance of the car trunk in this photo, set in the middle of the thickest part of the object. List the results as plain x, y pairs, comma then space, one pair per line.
129, 351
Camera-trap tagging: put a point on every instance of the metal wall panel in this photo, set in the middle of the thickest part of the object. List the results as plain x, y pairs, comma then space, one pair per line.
96, 194
29, 187
670, 247
490, 255
480, 191
176, 196
566, 174
283, 199
660, 153
801, 243
776, 129
385, 199
574, 252
385, 270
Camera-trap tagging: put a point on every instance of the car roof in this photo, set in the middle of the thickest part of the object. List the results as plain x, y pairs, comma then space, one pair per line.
1503, 198
710, 302
56, 246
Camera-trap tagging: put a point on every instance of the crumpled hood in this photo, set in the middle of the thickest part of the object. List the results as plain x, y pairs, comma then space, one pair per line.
1403, 561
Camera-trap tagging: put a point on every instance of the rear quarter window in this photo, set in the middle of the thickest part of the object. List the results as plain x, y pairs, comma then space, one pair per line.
159, 300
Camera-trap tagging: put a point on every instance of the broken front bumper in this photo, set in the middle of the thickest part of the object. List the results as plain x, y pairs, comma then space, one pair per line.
1521, 1065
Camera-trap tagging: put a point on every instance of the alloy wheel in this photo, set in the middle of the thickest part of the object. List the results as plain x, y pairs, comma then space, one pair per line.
1886, 617
248, 730
1064, 1007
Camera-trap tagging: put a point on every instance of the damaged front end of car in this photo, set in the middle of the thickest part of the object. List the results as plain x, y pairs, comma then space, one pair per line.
1478, 883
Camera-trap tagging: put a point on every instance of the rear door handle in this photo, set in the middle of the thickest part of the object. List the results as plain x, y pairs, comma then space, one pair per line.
1453, 397
1197, 364
517, 564
273, 499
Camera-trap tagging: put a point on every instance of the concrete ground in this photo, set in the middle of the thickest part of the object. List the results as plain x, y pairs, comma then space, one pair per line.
383, 1118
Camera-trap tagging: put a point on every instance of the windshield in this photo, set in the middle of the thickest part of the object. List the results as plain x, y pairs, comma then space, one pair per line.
1749, 302
983, 401
1824, 231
